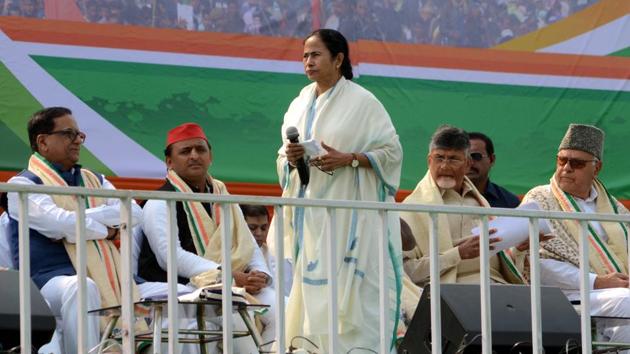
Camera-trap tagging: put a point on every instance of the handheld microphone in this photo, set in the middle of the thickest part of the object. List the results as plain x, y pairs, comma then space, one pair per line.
303, 170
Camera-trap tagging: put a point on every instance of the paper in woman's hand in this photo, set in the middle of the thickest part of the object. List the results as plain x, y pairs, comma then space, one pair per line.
313, 148
513, 230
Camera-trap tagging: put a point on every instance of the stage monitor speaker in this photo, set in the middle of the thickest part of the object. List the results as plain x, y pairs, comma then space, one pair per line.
511, 320
42, 320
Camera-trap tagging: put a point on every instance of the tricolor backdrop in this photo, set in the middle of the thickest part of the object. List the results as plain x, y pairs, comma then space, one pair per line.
128, 85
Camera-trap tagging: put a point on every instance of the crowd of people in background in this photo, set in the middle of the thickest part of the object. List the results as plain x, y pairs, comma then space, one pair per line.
25, 8
461, 23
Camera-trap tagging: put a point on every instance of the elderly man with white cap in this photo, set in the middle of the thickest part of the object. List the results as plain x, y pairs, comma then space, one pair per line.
575, 187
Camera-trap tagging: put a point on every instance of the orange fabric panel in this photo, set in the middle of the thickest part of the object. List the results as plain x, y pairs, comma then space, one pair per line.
241, 188
290, 49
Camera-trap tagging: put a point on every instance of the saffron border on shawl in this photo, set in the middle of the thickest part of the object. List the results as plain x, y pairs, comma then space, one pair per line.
612, 201
202, 237
567, 203
45, 169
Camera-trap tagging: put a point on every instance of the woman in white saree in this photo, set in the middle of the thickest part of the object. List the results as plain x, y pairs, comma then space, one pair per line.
361, 160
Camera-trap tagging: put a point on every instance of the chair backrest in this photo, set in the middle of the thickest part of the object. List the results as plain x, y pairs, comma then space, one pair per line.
6, 259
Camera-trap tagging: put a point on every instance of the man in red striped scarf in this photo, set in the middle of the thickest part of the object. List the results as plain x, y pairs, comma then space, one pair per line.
574, 187
56, 142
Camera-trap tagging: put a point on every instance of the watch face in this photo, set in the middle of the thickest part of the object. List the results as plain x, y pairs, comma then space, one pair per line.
355, 163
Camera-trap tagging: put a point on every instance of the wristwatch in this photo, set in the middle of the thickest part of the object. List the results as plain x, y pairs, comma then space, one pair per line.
355, 161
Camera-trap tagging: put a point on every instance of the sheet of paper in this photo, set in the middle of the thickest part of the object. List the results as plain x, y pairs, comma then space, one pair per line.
513, 230
313, 148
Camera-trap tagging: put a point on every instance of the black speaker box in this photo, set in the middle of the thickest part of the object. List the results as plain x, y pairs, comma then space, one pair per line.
510, 317
42, 320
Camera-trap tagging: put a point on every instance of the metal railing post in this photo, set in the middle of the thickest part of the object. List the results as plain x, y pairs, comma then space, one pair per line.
382, 283
534, 281
331, 255
434, 269
82, 329
25, 275
171, 277
280, 274
127, 281
226, 270
585, 293
484, 270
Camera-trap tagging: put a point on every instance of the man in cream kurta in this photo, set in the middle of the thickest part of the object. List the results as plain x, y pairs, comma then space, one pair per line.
446, 184
349, 119
574, 187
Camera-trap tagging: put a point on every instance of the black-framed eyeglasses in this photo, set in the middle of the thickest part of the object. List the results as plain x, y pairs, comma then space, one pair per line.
477, 156
575, 164
70, 134
317, 163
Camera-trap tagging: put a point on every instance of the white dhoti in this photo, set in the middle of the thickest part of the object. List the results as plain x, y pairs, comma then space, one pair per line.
613, 302
267, 296
61, 293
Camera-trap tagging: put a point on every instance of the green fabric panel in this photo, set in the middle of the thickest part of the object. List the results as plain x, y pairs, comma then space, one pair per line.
242, 111
622, 53
16, 153
16, 108
526, 125
17, 105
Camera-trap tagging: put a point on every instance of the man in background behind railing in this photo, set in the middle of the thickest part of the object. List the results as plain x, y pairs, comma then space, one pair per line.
257, 219
56, 142
446, 184
482, 160
574, 187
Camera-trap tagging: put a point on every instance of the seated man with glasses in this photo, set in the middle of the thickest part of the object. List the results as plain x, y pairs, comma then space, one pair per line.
575, 187
446, 184
483, 159
56, 142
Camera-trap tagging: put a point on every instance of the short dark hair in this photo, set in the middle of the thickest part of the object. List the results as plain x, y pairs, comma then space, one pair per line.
449, 137
336, 43
254, 210
486, 139
169, 149
43, 122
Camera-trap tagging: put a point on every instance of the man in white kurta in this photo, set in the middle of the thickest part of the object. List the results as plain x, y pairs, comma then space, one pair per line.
574, 187
198, 250
349, 119
56, 142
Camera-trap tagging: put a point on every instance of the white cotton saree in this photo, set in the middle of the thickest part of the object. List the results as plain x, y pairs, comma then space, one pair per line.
351, 120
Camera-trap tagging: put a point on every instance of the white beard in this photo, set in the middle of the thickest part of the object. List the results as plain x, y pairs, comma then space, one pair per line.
446, 182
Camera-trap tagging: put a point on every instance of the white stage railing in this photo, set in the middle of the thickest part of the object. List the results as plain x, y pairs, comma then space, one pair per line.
331, 205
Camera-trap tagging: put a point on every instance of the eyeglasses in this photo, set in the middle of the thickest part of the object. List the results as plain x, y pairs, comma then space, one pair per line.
575, 164
450, 161
71, 134
477, 156
317, 163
